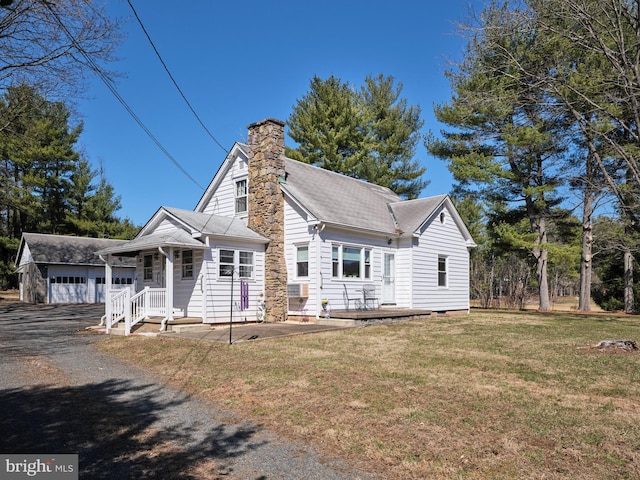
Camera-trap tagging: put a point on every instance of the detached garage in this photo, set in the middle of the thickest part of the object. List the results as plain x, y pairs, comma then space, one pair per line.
61, 269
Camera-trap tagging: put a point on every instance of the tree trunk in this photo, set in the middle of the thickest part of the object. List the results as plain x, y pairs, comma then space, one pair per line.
541, 254
543, 282
584, 299
628, 282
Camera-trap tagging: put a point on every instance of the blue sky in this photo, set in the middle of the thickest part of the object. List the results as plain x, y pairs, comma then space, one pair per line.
240, 62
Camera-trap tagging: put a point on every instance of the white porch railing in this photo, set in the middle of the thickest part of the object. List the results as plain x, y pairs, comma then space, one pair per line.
118, 307
133, 309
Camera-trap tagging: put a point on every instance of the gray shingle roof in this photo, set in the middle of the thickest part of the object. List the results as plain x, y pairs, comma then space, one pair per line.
217, 225
60, 249
174, 238
335, 198
411, 214
201, 223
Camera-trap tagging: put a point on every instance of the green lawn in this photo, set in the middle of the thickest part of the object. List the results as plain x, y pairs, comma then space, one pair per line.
487, 395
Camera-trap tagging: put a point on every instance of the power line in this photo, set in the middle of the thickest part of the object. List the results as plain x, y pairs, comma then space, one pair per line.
173, 79
113, 90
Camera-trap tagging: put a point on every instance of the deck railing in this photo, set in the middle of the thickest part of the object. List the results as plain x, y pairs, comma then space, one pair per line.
133, 309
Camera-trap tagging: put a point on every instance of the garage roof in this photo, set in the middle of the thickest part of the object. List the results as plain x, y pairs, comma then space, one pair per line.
44, 248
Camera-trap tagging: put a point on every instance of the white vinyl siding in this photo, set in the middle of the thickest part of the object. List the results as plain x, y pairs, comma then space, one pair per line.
440, 240
223, 200
218, 289
298, 233
333, 287
187, 296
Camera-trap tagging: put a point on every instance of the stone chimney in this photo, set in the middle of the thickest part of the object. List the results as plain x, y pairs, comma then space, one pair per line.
266, 209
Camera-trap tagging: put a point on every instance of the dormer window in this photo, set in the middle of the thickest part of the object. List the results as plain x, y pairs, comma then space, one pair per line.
241, 196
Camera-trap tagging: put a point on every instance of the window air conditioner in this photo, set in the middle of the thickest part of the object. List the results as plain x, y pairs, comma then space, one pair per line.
299, 290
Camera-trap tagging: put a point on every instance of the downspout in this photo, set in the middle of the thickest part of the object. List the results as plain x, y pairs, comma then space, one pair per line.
319, 286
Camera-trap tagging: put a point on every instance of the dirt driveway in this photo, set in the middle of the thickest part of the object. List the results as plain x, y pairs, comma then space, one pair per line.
60, 395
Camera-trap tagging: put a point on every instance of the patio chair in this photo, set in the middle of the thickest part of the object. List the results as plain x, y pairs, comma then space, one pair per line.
369, 296
348, 299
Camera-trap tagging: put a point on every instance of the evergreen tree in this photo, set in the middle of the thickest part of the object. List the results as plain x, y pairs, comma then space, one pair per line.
392, 134
327, 126
370, 134
505, 146
45, 185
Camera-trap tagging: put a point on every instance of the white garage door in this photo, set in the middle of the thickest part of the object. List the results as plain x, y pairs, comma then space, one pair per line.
67, 285
121, 278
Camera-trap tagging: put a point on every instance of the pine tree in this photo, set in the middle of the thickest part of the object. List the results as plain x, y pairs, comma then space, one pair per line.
45, 185
392, 134
370, 134
505, 145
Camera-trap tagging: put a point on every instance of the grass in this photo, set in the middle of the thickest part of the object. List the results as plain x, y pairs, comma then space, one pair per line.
489, 395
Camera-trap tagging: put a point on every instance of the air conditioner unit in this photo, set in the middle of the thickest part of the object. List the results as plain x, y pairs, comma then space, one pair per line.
299, 290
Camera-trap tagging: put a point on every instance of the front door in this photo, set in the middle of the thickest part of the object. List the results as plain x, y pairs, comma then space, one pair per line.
389, 280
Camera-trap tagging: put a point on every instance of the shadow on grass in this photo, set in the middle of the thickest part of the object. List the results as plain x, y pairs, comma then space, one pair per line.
112, 426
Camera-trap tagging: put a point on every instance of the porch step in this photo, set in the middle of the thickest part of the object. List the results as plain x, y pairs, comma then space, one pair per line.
195, 327
117, 329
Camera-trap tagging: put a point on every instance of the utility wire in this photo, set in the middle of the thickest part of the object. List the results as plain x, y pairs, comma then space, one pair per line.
113, 90
173, 79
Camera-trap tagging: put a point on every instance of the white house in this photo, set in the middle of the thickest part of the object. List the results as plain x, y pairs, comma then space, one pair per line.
275, 228
64, 269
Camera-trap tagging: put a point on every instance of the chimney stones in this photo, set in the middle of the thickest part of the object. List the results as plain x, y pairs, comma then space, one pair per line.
266, 208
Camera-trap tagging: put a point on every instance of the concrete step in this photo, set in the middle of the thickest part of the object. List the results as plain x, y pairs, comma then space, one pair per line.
196, 327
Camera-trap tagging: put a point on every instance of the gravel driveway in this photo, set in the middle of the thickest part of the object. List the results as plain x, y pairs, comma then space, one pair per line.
60, 395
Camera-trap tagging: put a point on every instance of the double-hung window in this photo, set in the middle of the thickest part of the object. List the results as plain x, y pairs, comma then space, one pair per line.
442, 271
335, 261
245, 264
236, 262
241, 195
148, 267
351, 262
302, 261
226, 262
187, 263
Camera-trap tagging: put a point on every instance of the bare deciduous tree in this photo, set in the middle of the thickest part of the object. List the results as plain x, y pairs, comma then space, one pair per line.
54, 45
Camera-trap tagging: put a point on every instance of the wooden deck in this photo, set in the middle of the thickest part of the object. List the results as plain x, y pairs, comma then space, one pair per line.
363, 317
338, 318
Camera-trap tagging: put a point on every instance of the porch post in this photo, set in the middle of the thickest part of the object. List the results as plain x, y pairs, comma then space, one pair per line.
169, 283
108, 275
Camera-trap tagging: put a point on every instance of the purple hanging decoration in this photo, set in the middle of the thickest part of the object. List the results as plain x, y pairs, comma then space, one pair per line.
244, 295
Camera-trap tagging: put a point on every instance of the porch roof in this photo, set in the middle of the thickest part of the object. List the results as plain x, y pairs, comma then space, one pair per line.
175, 238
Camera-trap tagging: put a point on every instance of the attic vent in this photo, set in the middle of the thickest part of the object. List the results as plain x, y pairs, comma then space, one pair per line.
298, 290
